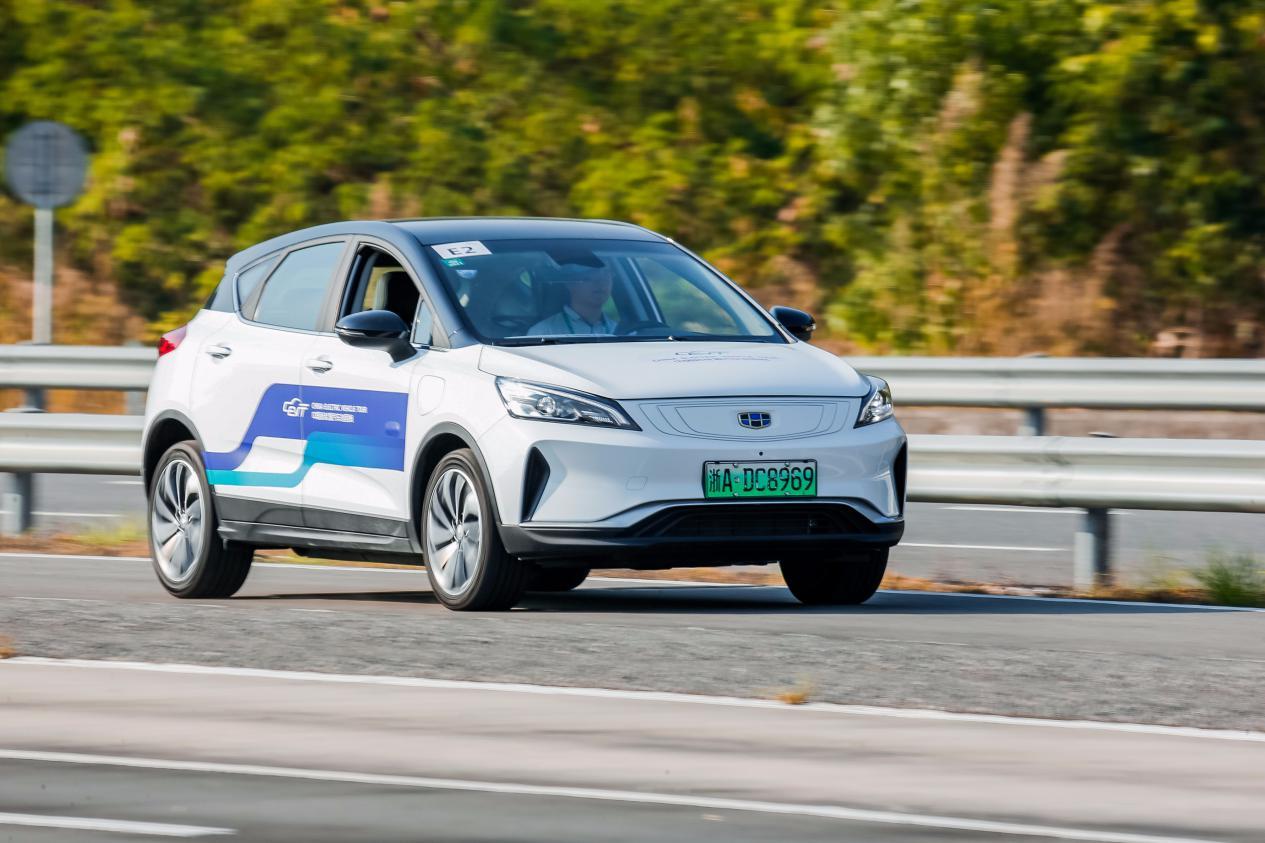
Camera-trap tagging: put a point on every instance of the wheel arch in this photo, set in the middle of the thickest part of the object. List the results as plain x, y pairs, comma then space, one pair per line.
167, 428
441, 440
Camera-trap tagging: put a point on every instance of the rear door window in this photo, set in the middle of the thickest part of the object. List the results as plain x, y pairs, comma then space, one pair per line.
295, 294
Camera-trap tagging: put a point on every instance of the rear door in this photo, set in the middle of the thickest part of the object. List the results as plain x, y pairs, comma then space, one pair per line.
246, 394
358, 415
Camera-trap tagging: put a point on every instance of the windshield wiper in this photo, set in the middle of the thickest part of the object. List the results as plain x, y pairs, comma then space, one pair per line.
553, 340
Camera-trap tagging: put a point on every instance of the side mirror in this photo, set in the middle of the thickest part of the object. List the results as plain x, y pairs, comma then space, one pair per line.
382, 329
797, 323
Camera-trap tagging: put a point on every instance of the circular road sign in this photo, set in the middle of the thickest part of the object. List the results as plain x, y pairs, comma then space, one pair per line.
45, 164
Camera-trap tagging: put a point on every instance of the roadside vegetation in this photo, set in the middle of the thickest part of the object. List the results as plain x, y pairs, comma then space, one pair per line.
948, 176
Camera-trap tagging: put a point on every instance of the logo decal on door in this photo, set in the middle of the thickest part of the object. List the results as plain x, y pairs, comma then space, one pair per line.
294, 407
359, 428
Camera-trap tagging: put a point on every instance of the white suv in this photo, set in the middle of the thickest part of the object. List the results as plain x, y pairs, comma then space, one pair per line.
511, 402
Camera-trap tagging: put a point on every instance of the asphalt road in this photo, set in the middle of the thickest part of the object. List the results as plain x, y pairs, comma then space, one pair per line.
401, 736
296, 756
1186, 666
1028, 545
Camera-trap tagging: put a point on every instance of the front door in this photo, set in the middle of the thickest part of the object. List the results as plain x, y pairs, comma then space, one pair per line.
358, 410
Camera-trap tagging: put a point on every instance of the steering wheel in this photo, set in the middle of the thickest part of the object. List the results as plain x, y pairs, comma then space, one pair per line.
623, 329
509, 323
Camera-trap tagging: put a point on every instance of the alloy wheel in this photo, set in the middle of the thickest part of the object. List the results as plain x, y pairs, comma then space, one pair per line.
177, 521
454, 531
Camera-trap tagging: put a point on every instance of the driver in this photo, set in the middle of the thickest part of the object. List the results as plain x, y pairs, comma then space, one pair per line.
589, 288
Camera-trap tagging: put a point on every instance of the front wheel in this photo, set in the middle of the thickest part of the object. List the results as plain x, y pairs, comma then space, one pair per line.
466, 563
189, 557
846, 580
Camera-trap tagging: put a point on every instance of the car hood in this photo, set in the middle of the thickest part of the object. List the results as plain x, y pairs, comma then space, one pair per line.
638, 370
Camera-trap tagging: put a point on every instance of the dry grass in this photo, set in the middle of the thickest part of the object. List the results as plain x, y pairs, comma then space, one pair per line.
1160, 593
7, 648
800, 694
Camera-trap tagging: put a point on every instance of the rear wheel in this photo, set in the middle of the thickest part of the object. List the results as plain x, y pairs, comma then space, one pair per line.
468, 567
189, 557
557, 579
847, 580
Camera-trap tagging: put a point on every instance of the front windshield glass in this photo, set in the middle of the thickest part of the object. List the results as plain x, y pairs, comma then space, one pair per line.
528, 292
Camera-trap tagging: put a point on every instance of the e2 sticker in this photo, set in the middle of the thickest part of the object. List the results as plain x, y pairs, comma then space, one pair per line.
466, 249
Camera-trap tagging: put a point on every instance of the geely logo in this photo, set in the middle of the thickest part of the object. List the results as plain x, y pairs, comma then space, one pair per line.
294, 407
755, 420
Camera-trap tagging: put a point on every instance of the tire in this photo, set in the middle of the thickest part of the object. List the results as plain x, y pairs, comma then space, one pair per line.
466, 563
557, 579
848, 580
189, 557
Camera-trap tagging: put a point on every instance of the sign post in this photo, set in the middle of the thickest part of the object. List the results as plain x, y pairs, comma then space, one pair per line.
44, 164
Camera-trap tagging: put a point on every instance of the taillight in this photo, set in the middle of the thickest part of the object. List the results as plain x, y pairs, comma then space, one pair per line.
171, 340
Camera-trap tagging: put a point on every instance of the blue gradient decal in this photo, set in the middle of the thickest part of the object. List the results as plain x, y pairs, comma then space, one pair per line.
359, 428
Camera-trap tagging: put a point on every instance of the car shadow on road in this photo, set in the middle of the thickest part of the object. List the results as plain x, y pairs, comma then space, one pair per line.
765, 600
595, 598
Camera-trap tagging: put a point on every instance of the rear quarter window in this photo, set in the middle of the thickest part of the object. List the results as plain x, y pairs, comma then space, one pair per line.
295, 292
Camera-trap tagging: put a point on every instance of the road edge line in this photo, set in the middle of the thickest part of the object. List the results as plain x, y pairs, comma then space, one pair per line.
1245, 736
604, 795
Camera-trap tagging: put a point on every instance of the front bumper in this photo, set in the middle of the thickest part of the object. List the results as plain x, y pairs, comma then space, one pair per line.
709, 534
547, 475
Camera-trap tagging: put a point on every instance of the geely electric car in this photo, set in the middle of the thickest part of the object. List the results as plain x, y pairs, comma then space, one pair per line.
511, 402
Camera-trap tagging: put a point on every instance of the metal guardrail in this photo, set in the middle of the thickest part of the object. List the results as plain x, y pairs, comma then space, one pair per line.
1094, 474
1015, 382
1094, 383
76, 367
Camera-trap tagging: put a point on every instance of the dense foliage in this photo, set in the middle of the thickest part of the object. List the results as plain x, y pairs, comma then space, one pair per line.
934, 175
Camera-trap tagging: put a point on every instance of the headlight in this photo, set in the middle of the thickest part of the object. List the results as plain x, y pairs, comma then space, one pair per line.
549, 403
878, 405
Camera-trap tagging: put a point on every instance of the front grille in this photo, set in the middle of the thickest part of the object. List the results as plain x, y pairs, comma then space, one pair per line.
754, 521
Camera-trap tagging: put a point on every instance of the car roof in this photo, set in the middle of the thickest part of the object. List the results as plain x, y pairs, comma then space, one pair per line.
434, 230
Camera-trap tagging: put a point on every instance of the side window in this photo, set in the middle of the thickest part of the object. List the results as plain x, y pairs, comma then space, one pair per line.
423, 325
379, 282
248, 280
295, 292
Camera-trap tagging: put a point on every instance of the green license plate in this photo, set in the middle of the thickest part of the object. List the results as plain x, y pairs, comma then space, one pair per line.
792, 479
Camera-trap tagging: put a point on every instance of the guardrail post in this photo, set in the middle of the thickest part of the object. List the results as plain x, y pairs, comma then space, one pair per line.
1092, 551
18, 500
1033, 423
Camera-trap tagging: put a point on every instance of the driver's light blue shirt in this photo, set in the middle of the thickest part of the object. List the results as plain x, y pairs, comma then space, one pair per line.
567, 321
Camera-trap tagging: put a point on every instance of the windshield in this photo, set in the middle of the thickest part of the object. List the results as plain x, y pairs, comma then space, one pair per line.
530, 292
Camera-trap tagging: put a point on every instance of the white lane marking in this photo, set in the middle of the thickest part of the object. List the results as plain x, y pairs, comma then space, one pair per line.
59, 599
1043, 510
1005, 547
117, 826
643, 696
125, 483
832, 812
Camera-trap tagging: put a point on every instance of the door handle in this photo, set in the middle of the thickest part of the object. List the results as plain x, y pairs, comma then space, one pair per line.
320, 365
219, 352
